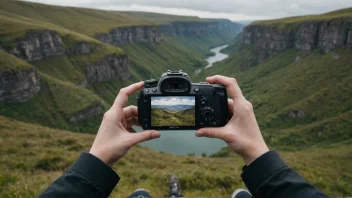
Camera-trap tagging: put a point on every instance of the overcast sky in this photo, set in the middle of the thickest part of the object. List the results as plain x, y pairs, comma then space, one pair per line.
236, 10
173, 100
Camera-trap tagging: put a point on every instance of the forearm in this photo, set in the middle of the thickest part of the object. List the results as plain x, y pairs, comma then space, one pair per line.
88, 177
269, 176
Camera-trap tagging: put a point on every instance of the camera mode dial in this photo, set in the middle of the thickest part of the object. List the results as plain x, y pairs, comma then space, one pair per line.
207, 114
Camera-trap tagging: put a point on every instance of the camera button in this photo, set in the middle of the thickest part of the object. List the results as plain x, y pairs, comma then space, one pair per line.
146, 90
196, 90
154, 90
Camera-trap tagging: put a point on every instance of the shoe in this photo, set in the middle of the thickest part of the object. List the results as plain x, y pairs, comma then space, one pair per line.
140, 193
241, 193
174, 187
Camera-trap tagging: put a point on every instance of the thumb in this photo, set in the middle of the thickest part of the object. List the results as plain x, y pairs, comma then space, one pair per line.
210, 132
145, 136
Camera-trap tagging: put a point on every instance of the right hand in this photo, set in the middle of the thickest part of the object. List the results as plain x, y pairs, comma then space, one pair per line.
241, 133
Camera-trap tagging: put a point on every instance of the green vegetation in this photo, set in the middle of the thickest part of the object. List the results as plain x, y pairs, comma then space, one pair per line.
36, 156
167, 117
319, 85
61, 75
55, 104
9, 62
91, 22
299, 19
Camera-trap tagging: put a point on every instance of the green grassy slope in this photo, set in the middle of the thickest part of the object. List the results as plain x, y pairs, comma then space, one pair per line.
11, 63
347, 12
164, 117
76, 25
33, 156
317, 84
91, 22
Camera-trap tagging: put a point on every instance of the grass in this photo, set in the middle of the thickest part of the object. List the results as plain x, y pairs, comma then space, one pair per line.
45, 153
343, 13
9, 63
317, 84
55, 104
91, 22
166, 117
61, 98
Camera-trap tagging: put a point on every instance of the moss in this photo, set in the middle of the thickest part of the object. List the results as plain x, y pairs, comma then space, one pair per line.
8, 62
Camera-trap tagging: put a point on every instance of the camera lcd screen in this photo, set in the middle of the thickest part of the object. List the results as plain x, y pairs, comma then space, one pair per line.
169, 111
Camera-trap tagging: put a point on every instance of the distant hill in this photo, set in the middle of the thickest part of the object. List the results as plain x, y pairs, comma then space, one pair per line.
173, 107
66, 64
173, 117
297, 73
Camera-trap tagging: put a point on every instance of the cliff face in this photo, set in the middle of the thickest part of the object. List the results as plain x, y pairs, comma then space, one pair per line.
110, 67
37, 45
268, 40
153, 34
123, 35
18, 86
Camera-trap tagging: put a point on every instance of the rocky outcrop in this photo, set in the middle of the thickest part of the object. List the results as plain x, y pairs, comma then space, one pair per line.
123, 35
81, 48
18, 86
114, 66
296, 114
90, 112
269, 40
37, 45
153, 34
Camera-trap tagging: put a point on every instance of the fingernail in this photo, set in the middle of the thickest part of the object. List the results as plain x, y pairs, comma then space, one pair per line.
155, 134
199, 133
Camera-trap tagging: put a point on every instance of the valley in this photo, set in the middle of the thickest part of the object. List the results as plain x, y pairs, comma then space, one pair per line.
173, 117
62, 67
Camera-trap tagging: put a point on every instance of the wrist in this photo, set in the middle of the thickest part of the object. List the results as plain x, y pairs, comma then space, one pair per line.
252, 154
103, 157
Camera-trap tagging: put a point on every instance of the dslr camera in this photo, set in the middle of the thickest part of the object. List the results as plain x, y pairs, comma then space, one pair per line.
175, 103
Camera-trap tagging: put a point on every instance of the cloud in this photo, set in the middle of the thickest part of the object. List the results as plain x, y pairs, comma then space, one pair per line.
173, 100
231, 9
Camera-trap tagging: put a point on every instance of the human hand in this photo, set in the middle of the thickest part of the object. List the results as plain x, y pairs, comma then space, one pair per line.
116, 136
241, 133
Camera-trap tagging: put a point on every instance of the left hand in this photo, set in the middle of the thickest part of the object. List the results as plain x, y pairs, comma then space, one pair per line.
116, 136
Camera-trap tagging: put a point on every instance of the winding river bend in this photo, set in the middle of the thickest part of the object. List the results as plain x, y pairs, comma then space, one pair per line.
217, 57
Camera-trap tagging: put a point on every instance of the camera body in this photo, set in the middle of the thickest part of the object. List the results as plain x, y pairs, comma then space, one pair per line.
175, 103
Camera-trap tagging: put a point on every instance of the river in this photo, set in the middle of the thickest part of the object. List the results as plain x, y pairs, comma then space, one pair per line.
185, 142
218, 56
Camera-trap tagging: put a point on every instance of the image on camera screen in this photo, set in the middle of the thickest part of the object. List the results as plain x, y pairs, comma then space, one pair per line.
172, 111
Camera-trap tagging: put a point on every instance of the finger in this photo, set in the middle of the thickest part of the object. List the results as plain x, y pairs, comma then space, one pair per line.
211, 133
230, 105
230, 83
145, 136
122, 98
130, 111
131, 130
132, 122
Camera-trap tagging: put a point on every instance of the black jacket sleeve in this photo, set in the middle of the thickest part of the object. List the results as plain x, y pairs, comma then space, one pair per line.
88, 177
269, 176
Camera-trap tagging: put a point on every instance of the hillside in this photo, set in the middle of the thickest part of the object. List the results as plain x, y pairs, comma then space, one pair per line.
298, 81
171, 117
37, 155
88, 55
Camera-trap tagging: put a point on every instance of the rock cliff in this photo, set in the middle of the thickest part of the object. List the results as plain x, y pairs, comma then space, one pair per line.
37, 45
113, 66
18, 86
269, 40
153, 34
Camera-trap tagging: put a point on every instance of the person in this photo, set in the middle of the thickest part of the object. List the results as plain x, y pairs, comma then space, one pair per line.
265, 173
